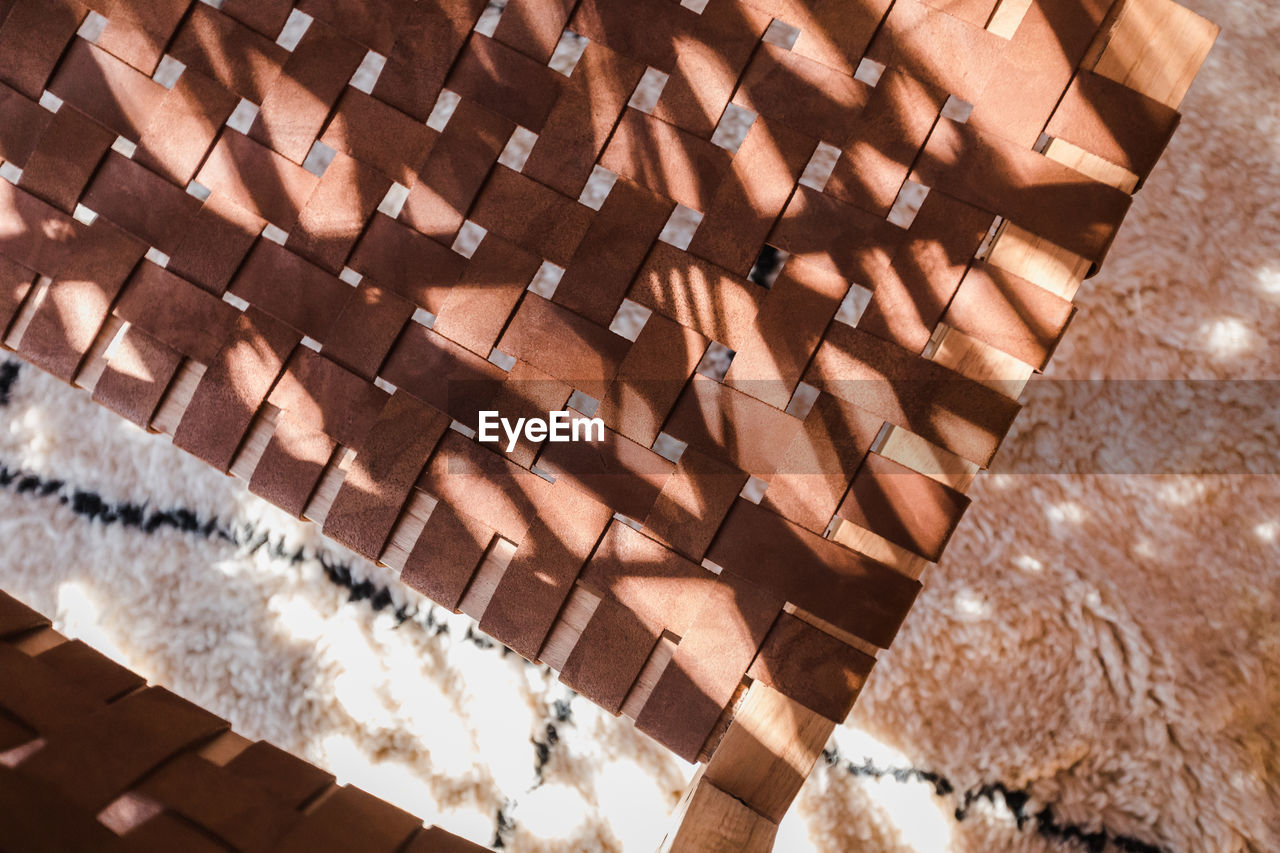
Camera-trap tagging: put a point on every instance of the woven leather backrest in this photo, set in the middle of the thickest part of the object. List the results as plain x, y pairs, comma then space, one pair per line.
315, 255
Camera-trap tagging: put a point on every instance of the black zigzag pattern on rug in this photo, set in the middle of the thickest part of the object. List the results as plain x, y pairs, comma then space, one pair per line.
8, 376
93, 507
1017, 801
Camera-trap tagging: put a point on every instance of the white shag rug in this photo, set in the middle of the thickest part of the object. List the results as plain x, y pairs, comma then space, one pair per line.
1094, 666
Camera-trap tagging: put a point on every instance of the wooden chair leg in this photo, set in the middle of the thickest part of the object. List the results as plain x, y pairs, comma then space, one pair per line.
738, 798
708, 820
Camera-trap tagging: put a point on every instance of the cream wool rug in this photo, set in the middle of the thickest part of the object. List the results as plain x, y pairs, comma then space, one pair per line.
1094, 666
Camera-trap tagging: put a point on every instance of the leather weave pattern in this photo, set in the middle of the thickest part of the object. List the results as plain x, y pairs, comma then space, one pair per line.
272, 256
92, 759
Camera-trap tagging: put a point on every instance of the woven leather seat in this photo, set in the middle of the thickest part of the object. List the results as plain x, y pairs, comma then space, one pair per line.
798, 256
